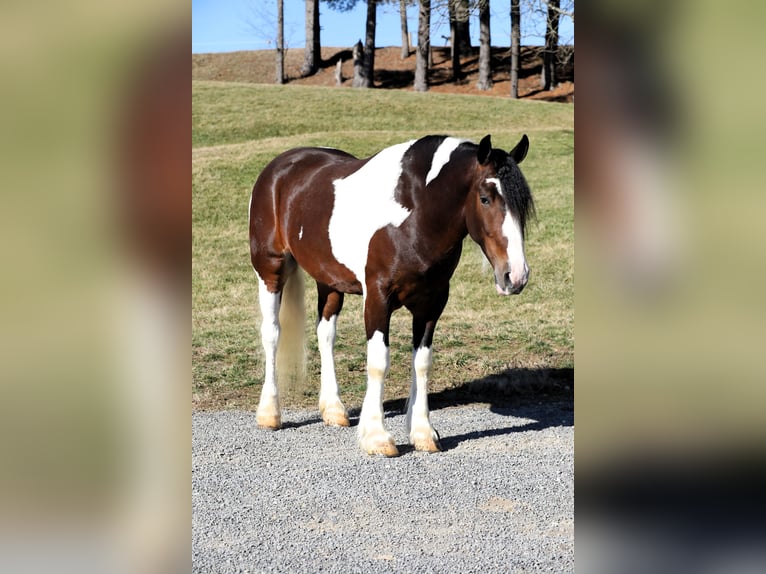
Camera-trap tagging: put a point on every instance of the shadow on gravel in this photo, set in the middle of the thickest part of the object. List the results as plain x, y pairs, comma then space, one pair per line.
298, 424
546, 396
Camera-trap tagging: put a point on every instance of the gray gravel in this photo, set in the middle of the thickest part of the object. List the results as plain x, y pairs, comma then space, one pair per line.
500, 498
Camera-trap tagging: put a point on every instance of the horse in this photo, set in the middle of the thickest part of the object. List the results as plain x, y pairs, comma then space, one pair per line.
390, 228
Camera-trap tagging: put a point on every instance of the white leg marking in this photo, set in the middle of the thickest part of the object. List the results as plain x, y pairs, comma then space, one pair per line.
373, 437
441, 157
268, 408
364, 203
330, 405
421, 433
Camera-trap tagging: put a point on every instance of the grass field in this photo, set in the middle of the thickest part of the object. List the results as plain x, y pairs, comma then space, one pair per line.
238, 128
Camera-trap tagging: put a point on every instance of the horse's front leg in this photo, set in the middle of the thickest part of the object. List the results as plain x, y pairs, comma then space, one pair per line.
373, 437
421, 433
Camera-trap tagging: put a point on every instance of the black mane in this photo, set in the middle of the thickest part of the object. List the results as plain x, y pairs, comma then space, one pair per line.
517, 195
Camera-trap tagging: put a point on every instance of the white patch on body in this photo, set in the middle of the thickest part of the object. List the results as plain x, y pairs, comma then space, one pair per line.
441, 157
512, 232
300, 234
364, 203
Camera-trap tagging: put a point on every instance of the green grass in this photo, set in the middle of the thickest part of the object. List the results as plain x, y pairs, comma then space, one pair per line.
238, 128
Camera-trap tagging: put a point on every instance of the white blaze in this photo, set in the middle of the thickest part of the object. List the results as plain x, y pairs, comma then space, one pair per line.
441, 157
512, 233
364, 203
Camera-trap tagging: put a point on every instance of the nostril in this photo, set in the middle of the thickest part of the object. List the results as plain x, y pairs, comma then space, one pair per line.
507, 278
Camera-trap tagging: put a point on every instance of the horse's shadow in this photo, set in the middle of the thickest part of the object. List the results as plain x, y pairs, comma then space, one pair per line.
545, 396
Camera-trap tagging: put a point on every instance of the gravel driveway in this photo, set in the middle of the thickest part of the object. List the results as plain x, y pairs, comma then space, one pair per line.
500, 498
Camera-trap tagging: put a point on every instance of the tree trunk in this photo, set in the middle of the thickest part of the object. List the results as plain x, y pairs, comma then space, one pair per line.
424, 45
312, 54
369, 44
485, 48
462, 28
280, 75
515, 47
339, 73
405, 31
548, 79
457, 72
359, 80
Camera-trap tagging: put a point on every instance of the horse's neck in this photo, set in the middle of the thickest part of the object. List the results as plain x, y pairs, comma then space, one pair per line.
448, 216
455, 196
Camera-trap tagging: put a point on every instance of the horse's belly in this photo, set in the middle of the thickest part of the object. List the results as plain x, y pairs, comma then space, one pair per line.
318, 261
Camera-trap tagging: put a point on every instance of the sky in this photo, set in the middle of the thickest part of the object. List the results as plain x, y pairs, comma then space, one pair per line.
230, 25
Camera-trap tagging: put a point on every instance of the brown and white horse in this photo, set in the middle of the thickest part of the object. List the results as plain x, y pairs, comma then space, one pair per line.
389, 228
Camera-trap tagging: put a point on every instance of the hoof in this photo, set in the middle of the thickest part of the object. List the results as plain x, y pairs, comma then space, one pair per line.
334, 415
379, 445
334, 418
426, 441
269, 420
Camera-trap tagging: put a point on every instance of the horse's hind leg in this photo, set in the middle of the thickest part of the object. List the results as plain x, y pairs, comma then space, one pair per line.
330, 303
268, 415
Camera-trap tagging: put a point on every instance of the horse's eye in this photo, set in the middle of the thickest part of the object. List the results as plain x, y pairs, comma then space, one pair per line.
484, 200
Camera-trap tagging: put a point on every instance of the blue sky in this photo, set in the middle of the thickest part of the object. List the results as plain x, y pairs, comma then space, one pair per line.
229, 25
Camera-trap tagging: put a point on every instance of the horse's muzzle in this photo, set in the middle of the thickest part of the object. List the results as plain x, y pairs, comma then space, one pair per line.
510, 283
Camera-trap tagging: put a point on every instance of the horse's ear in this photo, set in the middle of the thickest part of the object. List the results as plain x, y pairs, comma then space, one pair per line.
520, 151
485, 147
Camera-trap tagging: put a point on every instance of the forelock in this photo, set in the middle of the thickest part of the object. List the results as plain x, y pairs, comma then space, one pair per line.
516, 192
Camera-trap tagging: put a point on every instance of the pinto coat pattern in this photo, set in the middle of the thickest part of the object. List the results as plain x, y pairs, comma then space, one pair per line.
389, 228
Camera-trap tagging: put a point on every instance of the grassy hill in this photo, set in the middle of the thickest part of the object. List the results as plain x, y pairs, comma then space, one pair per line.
482, 338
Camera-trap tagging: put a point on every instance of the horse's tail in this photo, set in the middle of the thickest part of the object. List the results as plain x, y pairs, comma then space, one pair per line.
291, 352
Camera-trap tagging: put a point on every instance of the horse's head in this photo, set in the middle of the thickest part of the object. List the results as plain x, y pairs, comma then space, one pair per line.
497, 208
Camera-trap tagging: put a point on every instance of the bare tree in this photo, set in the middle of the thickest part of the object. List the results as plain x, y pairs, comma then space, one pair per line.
515, 47
280, 75
462, 39
548, 14
369, 44
485, 48
424, 46
266, 21
312, 55
405, 31
548, 79
454, 41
